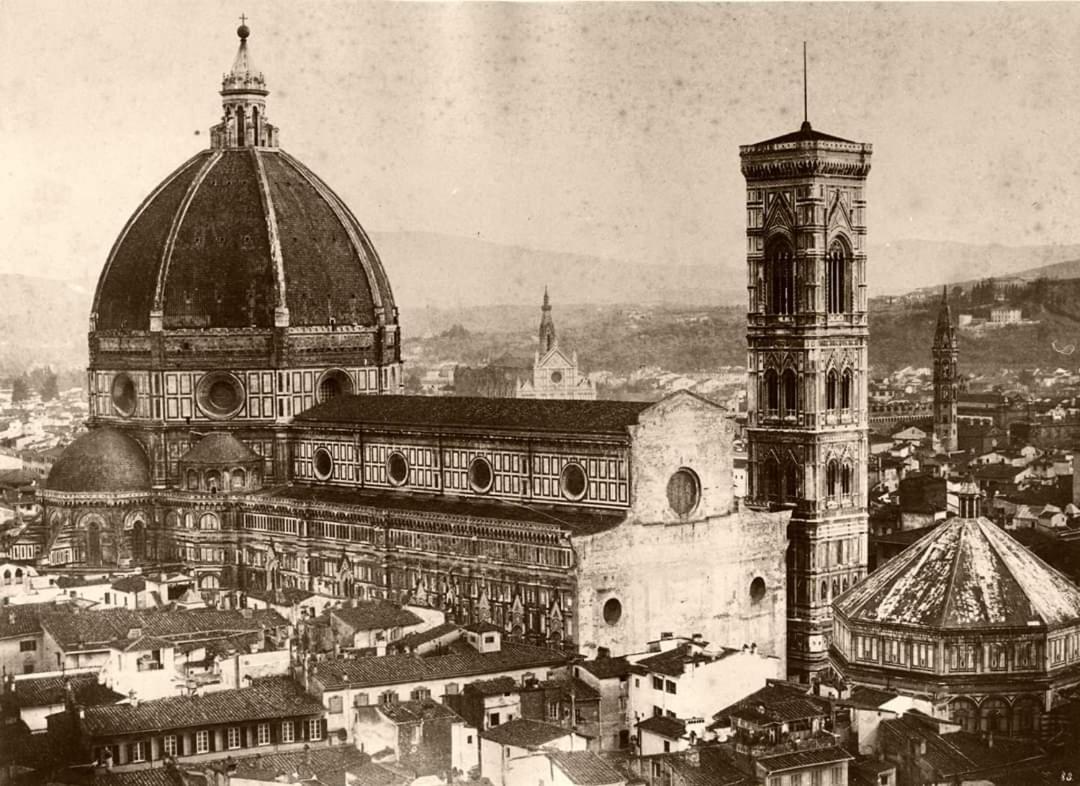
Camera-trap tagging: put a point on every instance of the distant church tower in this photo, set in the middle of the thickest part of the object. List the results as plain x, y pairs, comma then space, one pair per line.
807, 367
945, 378
554, 374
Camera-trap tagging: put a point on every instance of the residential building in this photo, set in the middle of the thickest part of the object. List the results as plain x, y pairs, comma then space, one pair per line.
500, 746
424, 736
273, 713
563, 768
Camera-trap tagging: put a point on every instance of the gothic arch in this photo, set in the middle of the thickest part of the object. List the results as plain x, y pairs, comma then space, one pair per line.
838, 276
781, 285
832, 388
964, 711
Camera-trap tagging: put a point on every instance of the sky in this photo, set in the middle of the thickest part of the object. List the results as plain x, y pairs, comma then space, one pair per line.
609, 129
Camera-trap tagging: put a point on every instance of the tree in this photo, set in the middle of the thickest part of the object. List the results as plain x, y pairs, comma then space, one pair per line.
20, 389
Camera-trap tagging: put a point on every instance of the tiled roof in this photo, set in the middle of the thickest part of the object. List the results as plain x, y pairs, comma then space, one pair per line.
412, 640
479, 414
672, 728
804, 134
483, 627
417, 711
573, 687
220, 448
869, 698
44, 691
585, 768
130, 584
267, 698
956, 752
607, 667
707, 768
66, 582
800, 759
493, 687
372, 774
23, 619
375, 615
673, 662
967, 573
578, 522
776, 704
523, 733
394, 669
328, 765
99, 629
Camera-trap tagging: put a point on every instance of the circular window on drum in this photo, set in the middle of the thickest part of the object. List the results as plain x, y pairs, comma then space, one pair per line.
757, 589
574, 482
481, 476
684, 491
612, 611
124, 395
323, 463
397, 469
220, 395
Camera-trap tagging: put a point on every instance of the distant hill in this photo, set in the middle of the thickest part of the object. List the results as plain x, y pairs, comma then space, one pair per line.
449, 272
912, 265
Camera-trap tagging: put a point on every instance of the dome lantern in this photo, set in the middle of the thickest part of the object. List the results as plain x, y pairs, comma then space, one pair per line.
243, 93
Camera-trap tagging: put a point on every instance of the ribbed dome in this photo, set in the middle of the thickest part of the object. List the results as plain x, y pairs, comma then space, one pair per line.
220, 448
102, 460
240, 237
966, 574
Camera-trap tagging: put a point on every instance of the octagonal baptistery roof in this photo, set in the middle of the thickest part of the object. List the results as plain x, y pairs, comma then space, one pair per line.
242, 235
966, 575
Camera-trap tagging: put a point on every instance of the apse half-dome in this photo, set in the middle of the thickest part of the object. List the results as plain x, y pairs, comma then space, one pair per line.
104, 460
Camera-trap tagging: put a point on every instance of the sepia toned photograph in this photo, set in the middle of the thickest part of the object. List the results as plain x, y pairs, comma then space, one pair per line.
539, 393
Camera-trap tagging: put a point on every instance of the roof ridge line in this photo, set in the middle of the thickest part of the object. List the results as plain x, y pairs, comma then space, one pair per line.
273, 236
174, 229
131, 222
952, 575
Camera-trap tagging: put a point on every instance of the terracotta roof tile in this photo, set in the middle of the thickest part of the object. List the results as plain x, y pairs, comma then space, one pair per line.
267, 698
585, 768
523, 733
375, 615
395, 669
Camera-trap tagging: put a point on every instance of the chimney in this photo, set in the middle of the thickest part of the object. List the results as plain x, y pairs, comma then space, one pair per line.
602, 653
11, 617
753, 647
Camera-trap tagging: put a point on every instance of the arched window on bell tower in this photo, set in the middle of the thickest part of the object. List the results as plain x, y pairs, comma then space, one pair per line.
832, 478
790, 387
770, 479
771, 392
780, 278
792, 490
846, 386
832, 380
838, 279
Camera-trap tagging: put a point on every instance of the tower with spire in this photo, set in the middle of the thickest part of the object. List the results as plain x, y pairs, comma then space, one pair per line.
548, 339
243, 97
555, 373
807, 368
946, 381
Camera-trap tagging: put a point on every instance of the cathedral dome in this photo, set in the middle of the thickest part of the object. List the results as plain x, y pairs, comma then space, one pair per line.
242, 235
220, 448
238, 238
102, 460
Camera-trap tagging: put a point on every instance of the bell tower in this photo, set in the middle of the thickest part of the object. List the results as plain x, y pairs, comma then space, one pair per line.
945, 379
807, 368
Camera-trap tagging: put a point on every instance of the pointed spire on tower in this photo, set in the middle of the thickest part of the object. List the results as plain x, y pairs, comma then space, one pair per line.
548, 339
945, 334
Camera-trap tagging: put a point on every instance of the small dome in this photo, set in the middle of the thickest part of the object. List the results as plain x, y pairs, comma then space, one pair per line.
220, 448
101, 460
